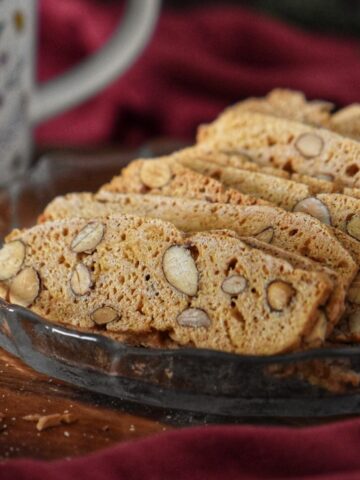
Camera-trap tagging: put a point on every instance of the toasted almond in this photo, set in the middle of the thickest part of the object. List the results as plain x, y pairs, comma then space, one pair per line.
48, 421
104, 315
234, 284
180, 269
309, 145
194, 317
88, 238
353, 294
314, 207
318, 333
353, 226
265, 235
12, 257
280, 294
25, 287
155, 173
80, 281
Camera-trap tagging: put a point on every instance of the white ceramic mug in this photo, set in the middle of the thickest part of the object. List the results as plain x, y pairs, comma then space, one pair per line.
24, 104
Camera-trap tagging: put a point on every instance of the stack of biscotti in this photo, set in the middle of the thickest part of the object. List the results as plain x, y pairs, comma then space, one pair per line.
132, 275
247, 242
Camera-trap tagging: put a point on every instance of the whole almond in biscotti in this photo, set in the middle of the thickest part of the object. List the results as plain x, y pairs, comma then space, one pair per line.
155, 174
265, 235
80, 281
234, 284
104, 315
353, 226
88, 238
280, 294
25, 287
314, 207
180, 270
194, 317
309, 145
12, 257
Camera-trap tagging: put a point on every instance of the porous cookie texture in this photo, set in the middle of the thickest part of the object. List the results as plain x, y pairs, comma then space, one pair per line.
289, 104
175, 180
293, 105
136, 286
195, 158
297, 233
286, 144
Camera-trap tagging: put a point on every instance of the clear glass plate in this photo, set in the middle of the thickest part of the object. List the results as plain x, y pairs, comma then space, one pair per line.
195, 380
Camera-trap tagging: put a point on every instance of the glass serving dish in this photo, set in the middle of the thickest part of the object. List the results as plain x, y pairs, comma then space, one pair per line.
194, 380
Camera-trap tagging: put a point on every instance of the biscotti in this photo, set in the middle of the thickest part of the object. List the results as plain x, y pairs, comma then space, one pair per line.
286, 144
289, 104
133, 275
293, 105
287, 231
167, 177
193, 157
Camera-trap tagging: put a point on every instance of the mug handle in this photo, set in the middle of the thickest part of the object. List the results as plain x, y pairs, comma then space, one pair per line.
109, 62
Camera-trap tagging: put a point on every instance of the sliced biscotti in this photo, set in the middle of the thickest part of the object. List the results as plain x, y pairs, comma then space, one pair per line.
288, 231
165, 176
133, 275
347, 121
289, 104
294, 106
194, 157
286, 144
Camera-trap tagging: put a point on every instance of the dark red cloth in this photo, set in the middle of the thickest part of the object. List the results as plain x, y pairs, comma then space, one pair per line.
197, 62
214, 453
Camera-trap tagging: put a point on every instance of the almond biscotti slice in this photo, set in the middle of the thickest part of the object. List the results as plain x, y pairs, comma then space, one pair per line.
293, 105
286, 144
289, 104
165, 176
193, 157
288, 231
133, 275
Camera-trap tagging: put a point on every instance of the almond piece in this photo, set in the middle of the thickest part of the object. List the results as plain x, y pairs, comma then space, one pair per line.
265, 235
48, 421
318, 333
180, 269
194, 317
234, 284
25, 287
314, 207
353, 294
88, 238
325, 176
280, 294
353, 226
354, 323
80, 281
12, 257
104, 315
309, 145
155, 173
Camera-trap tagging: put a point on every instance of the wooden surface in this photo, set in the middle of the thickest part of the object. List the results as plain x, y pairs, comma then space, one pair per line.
100, 423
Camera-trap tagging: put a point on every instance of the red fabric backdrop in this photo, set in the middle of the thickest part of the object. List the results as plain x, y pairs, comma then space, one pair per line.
197, 62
